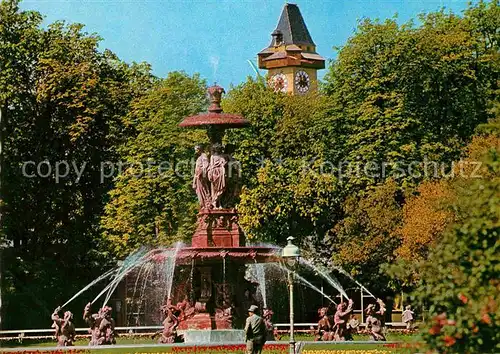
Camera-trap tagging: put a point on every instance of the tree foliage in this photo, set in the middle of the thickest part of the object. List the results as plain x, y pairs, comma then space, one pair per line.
459, 279
398, 100
62, 103
425, 217
368, 233
288, 189
409, 92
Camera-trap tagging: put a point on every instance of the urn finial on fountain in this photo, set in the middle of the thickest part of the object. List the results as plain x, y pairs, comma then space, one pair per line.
215, 92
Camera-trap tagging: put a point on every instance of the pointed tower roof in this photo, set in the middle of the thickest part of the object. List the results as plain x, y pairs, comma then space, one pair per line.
292, 26
291, 44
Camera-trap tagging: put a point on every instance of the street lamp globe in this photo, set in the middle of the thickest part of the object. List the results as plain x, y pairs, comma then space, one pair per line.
290, 253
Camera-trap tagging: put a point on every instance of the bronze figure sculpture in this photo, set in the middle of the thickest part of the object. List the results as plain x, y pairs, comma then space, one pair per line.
102, 326
341, 319
201, 184
375, 321
64, 328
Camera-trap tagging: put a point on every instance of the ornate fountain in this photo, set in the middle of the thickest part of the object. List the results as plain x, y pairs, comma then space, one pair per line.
212, 293
216, 295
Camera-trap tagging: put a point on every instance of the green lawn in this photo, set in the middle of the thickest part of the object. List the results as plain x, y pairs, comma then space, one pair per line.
321, 348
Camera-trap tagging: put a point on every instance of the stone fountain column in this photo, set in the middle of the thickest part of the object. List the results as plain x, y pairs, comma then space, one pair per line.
218, 244
216, 182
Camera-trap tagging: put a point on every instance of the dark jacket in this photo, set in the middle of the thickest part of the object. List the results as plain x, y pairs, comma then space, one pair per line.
255, 329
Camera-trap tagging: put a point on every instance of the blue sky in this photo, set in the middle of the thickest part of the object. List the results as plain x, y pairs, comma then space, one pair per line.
216, 37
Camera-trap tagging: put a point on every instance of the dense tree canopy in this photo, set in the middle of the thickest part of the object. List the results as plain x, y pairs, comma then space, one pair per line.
62, 105
459, 281
398, 107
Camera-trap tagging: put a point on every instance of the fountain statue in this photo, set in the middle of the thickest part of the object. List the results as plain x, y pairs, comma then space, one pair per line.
271, 331
219, 292
185, 309
217, 175
324, 331
102, 326
341, 320
375, 321
64, 328
200, 179
170, 323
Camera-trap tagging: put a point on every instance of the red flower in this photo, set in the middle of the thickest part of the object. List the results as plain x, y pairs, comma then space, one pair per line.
463, 298
486, 318
441, 319
449, 341
434, 330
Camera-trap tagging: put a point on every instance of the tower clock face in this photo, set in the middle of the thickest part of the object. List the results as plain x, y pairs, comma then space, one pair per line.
302, 81
279, 82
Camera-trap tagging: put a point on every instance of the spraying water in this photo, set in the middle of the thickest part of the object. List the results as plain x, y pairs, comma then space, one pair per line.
104, 276
214, 62
169, 268
149, 269
324, 273
354, 280
191, 279
260, 274
303, 280
134, 260
224, 270
141, 271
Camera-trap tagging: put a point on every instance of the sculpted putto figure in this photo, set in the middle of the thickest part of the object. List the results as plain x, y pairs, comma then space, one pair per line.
65, 329
102, 326
375, 321
324, 332
201, 183
225, 313
268, 321
185, 309
341, 319
170, 323
217, 175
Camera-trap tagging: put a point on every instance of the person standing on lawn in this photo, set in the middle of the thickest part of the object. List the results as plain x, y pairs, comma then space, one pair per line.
255, 331
408, 317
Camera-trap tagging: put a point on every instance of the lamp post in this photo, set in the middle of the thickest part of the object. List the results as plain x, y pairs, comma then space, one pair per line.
291, 254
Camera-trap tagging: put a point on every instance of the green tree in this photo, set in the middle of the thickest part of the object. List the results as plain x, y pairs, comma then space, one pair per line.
368, 233
459, 281
408, 92
289, 187
62, 102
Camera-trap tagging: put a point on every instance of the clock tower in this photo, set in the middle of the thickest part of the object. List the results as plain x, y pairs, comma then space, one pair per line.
291, 58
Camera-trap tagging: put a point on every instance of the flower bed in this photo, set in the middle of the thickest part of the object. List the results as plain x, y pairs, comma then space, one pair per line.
59, 351
348, 351
231, 349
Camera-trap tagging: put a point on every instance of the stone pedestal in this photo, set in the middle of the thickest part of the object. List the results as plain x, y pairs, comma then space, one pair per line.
218, 228
202, 321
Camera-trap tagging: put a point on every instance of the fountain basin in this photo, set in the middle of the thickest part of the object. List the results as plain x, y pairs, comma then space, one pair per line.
222, 336
209, 255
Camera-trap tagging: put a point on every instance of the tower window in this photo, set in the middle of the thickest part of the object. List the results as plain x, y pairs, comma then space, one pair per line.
277, 37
